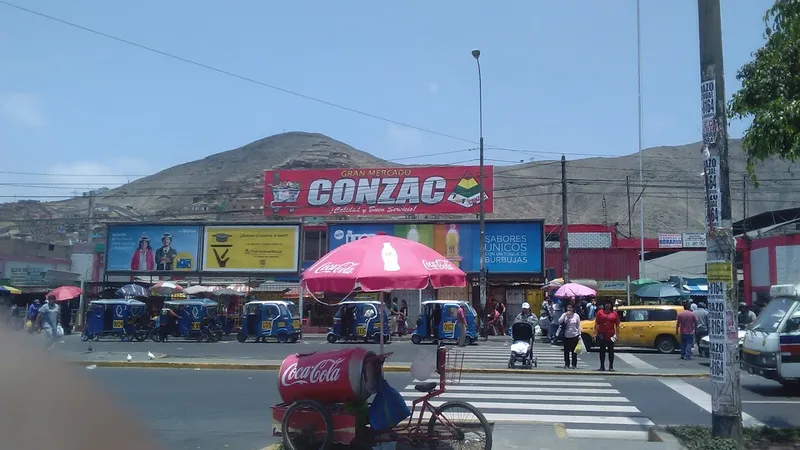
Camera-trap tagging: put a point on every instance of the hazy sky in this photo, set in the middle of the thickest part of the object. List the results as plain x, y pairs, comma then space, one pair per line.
558, 76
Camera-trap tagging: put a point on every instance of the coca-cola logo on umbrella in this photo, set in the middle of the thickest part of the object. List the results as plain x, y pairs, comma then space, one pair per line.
325, 371
344, 268
439, 264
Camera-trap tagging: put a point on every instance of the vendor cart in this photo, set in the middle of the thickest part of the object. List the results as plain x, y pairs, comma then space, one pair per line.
318, 423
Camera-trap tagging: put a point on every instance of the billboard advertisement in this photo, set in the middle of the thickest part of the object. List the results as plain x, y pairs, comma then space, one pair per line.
377, 192
153, 248
511, 247
260, 248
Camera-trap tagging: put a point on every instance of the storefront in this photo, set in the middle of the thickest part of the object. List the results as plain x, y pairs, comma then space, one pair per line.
612, 289
514, 256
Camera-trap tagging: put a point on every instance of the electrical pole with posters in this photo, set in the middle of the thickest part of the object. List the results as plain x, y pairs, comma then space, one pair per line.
726, 416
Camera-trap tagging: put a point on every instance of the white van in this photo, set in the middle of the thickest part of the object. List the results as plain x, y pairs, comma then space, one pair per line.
772, 342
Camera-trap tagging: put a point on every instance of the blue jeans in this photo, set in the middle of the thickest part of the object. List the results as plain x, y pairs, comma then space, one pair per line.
687, 343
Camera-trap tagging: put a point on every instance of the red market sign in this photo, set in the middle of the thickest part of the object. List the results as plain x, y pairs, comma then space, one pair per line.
377, 191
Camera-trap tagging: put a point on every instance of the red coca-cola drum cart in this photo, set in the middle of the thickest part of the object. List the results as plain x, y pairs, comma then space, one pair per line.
319, 391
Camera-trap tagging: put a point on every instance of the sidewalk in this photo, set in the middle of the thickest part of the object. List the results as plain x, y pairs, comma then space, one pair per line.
163, 361
549, 437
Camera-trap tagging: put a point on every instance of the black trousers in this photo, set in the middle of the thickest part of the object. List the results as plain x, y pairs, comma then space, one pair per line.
570, 357
606, 348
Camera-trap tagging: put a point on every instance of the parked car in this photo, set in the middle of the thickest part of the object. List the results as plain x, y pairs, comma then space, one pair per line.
704, 344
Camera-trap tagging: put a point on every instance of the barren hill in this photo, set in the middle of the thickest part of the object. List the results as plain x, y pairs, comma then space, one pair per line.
229, 186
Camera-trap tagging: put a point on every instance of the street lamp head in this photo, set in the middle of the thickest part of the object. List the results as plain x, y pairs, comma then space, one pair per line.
476, 53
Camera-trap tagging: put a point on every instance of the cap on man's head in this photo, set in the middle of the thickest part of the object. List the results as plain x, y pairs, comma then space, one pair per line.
526, 305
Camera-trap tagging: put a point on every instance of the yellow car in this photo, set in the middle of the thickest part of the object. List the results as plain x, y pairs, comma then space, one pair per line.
647, 326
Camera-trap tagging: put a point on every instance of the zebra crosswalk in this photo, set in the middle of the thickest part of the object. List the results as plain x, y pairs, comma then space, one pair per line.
583, 407
496, 356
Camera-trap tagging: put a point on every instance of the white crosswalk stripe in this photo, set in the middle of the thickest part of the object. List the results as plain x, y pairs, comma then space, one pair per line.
586, 407
496, 356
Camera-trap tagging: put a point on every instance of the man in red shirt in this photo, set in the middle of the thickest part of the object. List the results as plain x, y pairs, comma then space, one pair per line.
606, 330
686, 325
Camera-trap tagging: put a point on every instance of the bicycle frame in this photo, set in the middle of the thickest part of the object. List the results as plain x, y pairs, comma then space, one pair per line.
410, 431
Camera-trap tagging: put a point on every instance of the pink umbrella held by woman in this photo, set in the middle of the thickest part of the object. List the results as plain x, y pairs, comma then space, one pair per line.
571, 290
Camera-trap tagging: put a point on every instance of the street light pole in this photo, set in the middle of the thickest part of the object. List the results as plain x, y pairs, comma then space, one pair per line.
482, 214
642, 267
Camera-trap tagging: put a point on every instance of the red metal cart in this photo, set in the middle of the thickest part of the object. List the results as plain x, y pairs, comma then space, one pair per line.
320, 389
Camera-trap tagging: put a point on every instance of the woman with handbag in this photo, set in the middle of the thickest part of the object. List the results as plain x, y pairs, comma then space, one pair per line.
571, 323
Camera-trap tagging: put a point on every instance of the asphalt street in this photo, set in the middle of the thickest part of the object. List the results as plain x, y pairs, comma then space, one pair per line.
213, 409
492, 354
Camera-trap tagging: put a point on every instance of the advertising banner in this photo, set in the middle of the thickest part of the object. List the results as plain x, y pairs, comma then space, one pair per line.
671, 240
694, 240
377, 191
511, 247
264, 248
152, 248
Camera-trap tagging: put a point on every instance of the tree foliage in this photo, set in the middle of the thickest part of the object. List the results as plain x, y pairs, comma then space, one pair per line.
770, 92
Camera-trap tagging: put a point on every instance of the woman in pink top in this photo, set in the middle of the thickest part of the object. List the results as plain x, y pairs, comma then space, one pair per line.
572, 333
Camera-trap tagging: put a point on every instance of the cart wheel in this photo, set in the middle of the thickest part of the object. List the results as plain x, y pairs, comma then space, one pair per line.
416, 339
306, 430
459, 422
332, 338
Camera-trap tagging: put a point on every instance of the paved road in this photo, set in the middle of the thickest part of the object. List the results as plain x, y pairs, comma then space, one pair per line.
212, 409
491, 354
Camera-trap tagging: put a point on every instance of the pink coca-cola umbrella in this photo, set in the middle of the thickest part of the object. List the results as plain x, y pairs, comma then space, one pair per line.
382, 263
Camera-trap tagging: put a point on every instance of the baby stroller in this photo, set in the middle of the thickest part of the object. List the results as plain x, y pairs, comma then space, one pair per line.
522, 334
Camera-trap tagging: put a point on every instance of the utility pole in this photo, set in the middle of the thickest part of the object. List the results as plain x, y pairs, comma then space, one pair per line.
687, 208
745, 213
564, 222
726, 402
628, 188
90, 225
605, 211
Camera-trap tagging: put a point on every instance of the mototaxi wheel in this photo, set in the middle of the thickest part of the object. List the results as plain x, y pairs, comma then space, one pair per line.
241, 336
376, 337
416, 339
464, 426
283, 337
331, 338
307, 432
293, 338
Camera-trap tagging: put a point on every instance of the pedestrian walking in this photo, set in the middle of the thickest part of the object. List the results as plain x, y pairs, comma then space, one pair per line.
606, 330
461, 326
702, 322
47, 319
686, 326
572, 333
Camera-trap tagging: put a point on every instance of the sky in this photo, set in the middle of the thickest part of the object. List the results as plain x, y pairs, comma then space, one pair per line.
81, 110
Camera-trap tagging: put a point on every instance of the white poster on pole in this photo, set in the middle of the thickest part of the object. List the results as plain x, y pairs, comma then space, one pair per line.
713, 191
717, 330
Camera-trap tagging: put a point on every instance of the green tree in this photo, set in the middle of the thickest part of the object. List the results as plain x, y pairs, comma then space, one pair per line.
770, 92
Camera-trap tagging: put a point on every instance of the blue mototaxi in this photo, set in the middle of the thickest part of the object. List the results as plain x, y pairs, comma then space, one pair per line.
441, 316
359, 320
195, 319
114, 317
270, 319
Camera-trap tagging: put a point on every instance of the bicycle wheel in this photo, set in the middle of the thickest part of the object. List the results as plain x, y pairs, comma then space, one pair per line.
311, 429
459, 425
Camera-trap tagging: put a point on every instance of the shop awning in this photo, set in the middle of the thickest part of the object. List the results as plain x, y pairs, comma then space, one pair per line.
698, 290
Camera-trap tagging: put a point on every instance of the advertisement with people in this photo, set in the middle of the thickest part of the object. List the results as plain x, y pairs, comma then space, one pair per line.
377, 191
264, 248
152, 248
511, 247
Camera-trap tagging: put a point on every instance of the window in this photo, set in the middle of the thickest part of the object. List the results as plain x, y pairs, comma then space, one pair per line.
315, 244
638, 315
663, 315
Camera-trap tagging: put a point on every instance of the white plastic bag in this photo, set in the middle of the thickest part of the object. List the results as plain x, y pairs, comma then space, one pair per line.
582, 347
59, 331
423, 365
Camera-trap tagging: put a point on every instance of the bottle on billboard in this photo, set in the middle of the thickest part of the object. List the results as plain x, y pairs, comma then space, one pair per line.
413, 234
391, 262
451, 242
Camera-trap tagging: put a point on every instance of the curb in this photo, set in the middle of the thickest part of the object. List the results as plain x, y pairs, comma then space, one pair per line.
388, 369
